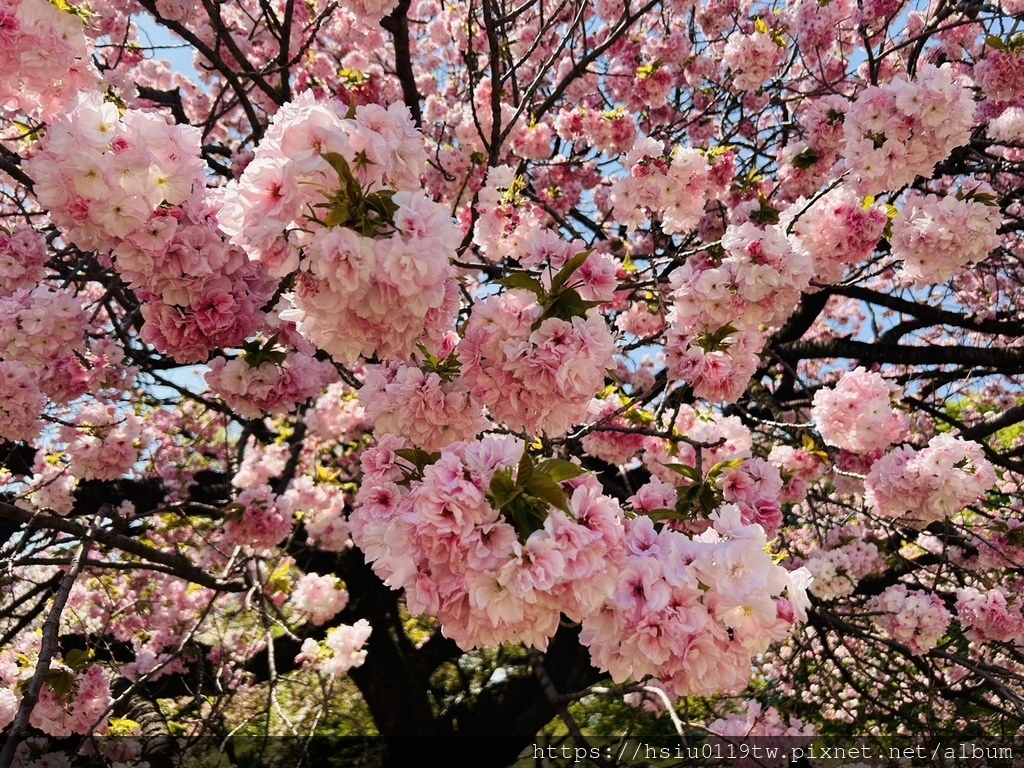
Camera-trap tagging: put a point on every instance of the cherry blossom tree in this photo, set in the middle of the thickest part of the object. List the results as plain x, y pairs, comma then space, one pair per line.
448, 367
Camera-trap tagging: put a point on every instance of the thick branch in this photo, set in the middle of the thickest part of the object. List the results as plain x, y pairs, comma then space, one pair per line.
397, 23
47, 648
1011, 358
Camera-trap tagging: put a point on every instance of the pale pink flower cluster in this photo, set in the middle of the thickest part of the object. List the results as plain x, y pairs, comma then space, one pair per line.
817, 27
901, 129
340, 651
135, 185
375, 291
322, 510
718, 372
533, 142
258, 519
846, 557
936, 482
86, 706
1000, 75
751, 60
752, 720
363, 296
369, 11
459, 559
1008, 127
337, 415
319, 597
857, 414
21, 402
105, 443
270, 387
914, 617
610, 445
692, 612
754, 487
22, 257
539, 380
102, 175
45, 330
935, 236
756, 283
44, 56
838, 230
672, 187
612, 132
505, 220
431, 412
799, 468
989, 616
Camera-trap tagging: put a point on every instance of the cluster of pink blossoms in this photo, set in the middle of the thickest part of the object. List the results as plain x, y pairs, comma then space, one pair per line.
373, 251
84, 709
752, 59
270, 387
457, 557
1000, 73
936, 482
610, 444
847, 555
901, 129
258, 519
429, 410
104, 444
752, 720
989, 616
857, 414
41, 336
690, 612
672, 187
798, 468
936, 236
134, 185
44, 56
341, 650
319, 597
837, 231
539, 379
720, 305
22, 258
612, 132
914, 617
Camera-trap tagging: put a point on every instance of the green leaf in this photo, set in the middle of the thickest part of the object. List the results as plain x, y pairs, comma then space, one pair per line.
548, 490
565, 306
525, 281
418, 457
805, 159
992, 41
690, 473
339, 215
559, 470
348, 181
721, 466
661, 515
503, 491
61, 681
567, 270
524, 472
78, 659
